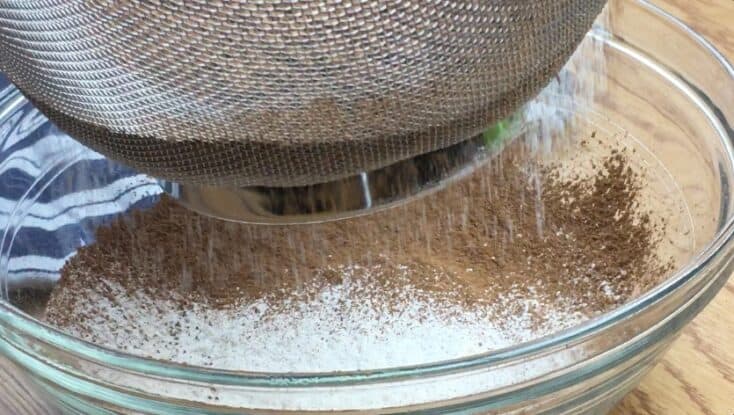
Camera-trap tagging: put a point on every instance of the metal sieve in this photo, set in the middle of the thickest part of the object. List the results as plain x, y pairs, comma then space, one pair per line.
273, 101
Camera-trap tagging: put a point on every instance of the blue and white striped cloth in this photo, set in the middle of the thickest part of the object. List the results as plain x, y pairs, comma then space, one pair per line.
54, 193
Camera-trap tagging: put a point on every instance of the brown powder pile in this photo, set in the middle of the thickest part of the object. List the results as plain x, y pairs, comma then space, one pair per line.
514, 228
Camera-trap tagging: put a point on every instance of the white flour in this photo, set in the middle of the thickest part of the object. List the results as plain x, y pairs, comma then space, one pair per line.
340, 329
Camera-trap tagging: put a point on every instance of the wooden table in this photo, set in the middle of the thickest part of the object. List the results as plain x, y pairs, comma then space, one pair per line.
696, 377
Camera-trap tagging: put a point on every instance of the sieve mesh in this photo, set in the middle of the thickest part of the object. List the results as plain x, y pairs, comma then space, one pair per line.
282, 92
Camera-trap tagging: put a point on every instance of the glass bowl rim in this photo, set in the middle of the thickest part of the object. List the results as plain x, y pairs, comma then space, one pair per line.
43, 332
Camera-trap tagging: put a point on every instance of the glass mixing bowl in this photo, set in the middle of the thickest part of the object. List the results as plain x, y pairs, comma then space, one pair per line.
666, 87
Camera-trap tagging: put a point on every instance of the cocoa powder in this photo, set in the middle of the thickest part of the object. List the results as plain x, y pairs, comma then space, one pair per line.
515, 227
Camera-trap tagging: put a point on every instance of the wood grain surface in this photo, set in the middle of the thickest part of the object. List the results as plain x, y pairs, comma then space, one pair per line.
696, 377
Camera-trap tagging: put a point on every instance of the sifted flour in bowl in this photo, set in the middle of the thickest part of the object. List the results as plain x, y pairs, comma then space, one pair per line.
522, 248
